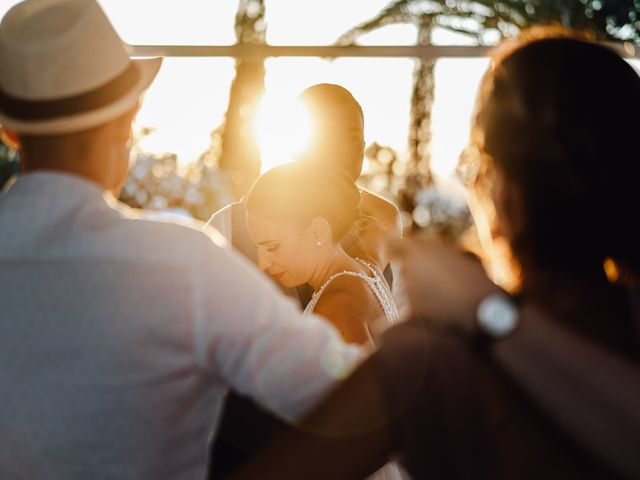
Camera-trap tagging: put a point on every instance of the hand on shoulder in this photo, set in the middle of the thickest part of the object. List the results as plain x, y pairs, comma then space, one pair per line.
441, 283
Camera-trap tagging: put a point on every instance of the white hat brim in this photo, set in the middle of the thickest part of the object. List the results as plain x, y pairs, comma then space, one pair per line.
147, 68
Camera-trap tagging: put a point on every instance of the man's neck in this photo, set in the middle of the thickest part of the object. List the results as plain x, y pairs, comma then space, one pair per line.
85, 175
92, 162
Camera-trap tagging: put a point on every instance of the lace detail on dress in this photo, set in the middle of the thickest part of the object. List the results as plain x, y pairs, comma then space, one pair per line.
380, 288
377, 284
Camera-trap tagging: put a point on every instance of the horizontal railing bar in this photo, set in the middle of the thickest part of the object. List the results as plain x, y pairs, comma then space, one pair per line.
248, 51
332, 51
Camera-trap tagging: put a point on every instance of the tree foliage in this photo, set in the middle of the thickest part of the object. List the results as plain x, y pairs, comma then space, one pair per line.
240, 156
607, 19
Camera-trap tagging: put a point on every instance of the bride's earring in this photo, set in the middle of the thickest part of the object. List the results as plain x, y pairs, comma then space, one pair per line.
319, 243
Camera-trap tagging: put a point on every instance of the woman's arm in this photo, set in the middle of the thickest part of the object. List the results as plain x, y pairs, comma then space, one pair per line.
348, 436
590, 392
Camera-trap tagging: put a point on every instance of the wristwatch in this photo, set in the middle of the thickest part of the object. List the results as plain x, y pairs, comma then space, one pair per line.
497, 315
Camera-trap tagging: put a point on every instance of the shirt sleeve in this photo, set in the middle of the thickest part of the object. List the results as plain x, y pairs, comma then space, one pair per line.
258, 341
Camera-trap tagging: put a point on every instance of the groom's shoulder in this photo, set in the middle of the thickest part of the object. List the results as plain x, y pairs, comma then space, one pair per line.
168, 236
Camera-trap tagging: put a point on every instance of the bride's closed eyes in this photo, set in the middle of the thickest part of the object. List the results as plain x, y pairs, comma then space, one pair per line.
272, 247
284, 251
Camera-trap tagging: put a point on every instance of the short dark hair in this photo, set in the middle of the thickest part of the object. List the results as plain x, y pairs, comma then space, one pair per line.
327, 95
338, 140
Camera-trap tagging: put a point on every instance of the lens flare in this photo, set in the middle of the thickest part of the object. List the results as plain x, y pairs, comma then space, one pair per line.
283, 127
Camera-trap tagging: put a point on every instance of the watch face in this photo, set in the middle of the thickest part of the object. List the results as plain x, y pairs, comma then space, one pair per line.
497, 315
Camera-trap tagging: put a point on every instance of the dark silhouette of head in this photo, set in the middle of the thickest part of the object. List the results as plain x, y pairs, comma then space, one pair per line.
555, 123
338, 137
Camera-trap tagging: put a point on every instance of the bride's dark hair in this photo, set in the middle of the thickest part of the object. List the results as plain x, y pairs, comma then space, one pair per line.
296, 193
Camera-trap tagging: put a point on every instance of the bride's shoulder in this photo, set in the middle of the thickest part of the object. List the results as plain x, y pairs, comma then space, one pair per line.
347, 304
348, 282
351, 291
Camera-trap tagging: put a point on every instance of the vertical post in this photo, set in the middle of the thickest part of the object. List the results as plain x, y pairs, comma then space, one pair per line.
240, 156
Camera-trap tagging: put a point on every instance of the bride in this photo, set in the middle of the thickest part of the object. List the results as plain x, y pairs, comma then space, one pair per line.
297, 215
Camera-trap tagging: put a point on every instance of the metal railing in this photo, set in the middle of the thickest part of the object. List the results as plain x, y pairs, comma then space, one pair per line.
248, 51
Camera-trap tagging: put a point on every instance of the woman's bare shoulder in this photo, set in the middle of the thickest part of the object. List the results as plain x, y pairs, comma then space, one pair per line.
351, 307
351, 294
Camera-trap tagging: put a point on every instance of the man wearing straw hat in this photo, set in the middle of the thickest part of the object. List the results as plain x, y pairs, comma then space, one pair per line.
119, 335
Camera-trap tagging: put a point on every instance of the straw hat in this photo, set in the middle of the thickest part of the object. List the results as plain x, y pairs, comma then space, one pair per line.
64, 69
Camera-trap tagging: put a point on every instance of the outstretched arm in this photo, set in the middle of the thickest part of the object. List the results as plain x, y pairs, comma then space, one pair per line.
587, 390
348, 436
591, 393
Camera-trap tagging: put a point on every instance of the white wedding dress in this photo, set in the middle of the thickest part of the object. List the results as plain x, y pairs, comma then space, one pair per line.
377, 284
379, 287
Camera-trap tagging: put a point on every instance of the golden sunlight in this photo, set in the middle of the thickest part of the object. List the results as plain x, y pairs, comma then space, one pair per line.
283, 127
457, 82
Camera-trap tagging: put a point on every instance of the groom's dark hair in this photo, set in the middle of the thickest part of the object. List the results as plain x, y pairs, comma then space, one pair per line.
338, 119
330, 94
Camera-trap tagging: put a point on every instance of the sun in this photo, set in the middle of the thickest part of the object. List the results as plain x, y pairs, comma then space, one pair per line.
283, 127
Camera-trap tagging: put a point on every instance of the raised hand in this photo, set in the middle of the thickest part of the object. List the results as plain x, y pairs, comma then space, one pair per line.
441, 283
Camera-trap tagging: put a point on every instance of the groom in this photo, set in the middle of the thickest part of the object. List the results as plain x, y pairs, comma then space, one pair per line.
120, 335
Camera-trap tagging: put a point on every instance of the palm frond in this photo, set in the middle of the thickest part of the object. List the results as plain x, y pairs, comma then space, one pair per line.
397, 12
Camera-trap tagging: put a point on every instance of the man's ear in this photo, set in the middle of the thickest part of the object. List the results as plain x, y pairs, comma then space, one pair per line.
9, 138
320, 231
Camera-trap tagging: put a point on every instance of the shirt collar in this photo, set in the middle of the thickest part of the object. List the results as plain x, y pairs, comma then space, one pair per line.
48, 182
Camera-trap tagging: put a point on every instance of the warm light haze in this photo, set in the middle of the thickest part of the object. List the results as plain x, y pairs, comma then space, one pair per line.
189, 97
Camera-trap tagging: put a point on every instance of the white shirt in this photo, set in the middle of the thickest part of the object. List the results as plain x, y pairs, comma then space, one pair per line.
118, 336
221, 221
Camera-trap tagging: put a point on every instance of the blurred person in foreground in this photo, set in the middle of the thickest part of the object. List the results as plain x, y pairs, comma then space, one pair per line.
556, 367
120, 335
555, 179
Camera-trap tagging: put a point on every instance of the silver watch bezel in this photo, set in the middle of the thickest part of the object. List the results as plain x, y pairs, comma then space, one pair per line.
497, 315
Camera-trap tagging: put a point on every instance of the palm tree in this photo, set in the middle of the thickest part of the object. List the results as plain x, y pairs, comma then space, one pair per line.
240, 156
422, 96
607, 19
